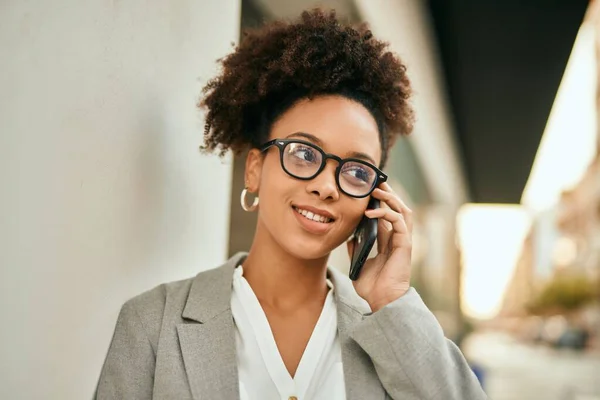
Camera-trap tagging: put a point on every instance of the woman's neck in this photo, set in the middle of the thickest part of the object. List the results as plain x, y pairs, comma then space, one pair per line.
281, 280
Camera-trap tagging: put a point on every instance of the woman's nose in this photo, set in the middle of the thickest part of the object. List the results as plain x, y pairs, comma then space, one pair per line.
324, 185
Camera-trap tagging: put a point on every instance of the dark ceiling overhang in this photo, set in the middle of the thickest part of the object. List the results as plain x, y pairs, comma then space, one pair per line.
503, 62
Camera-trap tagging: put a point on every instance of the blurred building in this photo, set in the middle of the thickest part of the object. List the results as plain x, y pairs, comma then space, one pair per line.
578, 222
521, 287
564, 238
578, 211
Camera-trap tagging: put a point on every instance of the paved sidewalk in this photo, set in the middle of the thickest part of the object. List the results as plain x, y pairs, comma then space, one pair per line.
516, 371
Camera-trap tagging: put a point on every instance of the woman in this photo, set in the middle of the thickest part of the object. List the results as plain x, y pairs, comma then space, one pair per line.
319, 104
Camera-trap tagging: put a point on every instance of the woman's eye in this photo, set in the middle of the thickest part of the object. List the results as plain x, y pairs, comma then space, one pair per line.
359, 173
305, 154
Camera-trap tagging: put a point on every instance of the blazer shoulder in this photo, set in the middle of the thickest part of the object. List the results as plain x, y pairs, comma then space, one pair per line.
151, 306
152, 302
164, 305
158, 294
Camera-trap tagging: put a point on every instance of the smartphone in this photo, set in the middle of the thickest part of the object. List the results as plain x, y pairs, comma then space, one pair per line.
364, 239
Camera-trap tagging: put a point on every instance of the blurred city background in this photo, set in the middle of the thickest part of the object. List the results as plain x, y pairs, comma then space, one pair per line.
104, 193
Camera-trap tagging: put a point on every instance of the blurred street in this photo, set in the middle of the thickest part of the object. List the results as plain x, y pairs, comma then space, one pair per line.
517, 371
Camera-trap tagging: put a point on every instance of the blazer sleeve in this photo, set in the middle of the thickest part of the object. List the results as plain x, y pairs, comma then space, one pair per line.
412, 357
128, 371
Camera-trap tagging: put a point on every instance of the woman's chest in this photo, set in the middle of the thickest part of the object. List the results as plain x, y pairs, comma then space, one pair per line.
292, 334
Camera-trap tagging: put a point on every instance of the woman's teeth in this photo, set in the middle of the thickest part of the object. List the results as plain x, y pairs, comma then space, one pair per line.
313, 216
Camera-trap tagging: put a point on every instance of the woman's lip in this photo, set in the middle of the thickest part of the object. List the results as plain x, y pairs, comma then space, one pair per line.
315, 210
311, 226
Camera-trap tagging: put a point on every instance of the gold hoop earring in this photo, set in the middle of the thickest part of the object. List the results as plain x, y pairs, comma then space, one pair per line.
245, 206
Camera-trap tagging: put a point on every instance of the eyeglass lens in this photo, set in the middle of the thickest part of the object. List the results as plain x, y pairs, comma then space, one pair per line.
304, 161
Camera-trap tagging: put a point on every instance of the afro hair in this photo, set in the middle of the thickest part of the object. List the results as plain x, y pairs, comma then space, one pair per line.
276, 65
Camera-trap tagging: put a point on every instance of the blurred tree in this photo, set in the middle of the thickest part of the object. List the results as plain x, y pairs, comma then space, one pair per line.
564, 293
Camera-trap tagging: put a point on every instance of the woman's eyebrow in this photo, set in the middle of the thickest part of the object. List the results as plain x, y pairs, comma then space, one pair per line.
363, 156
308, 136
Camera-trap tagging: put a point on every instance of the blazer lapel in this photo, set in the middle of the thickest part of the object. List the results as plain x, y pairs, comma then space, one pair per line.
209, 357
207, 339
360, 377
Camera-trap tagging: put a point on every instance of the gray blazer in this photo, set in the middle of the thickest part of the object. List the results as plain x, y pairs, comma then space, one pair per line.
177, 341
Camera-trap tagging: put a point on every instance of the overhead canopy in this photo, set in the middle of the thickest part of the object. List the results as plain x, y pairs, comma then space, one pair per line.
503, 63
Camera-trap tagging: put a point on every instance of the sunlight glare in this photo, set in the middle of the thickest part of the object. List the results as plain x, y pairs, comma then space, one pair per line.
490, 238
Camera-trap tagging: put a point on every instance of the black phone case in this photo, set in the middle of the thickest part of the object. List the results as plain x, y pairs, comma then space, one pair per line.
365, 237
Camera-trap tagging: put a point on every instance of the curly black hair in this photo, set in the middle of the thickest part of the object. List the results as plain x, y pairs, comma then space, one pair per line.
282, 62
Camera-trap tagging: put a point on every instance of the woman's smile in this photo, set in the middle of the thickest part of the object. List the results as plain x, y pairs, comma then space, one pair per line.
315, 214
313, 220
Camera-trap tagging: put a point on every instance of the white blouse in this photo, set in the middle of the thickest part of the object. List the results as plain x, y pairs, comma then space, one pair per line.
262, 373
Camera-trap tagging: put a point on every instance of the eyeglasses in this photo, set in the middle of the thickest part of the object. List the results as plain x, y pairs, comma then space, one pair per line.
304, 160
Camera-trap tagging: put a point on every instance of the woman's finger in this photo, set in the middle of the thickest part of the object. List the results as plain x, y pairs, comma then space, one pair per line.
385, 193
393, 217
384, 231
384, 234
404, 209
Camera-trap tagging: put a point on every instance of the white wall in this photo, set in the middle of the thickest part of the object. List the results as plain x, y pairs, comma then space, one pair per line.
103, 193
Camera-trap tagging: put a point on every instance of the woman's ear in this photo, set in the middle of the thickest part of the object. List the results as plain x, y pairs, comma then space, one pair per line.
254, 163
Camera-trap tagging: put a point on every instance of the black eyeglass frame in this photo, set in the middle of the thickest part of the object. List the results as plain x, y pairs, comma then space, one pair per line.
282, 143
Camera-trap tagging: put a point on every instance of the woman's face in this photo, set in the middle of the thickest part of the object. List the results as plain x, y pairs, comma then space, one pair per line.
339, 126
